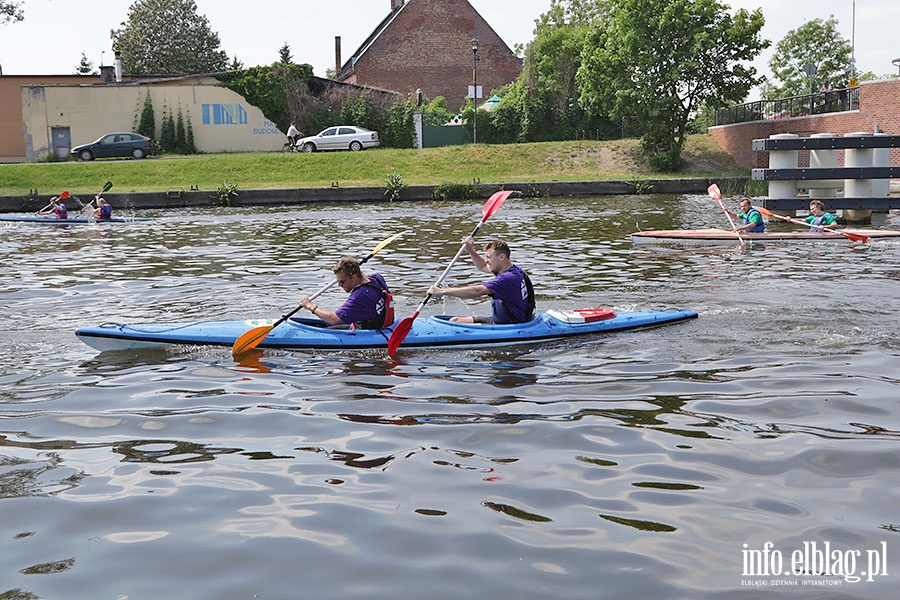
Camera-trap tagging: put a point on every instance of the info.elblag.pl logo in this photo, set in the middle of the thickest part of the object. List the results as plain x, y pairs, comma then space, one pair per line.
811, 563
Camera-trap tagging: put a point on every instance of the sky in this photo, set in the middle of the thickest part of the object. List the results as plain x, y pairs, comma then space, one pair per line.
55, 32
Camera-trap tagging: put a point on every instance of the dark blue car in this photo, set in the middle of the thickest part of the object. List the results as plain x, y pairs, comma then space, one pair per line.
115, 144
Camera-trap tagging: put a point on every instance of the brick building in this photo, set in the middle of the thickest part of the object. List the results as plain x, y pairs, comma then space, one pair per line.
427, 45
879, 107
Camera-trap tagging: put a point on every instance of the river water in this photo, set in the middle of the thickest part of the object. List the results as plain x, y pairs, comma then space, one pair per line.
645, 464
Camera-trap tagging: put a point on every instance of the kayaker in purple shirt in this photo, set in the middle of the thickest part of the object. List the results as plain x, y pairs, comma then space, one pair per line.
370, 305
511, 292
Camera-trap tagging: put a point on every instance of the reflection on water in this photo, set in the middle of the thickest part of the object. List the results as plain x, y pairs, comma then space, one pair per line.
638, 463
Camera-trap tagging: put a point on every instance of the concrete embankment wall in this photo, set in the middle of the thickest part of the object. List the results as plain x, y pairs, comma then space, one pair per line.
200, 198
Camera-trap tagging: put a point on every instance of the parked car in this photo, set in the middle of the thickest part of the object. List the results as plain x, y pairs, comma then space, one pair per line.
115, 144
343, 137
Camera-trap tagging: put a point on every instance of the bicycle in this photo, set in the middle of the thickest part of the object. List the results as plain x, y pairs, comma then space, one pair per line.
289, 148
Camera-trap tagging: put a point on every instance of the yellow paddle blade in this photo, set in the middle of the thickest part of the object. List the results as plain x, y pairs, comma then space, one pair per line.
250, 339
386, 242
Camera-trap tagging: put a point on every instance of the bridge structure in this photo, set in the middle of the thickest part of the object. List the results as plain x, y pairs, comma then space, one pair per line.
849, 172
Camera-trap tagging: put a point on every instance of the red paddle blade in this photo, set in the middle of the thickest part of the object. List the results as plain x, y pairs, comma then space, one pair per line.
494, 203
765, 212
64, 195
400, 333
714, 192
250, 339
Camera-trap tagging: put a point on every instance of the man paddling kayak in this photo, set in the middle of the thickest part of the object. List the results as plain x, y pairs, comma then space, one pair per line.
104, 209
59, 209
370, 305
752, 219
511, 290
819, 219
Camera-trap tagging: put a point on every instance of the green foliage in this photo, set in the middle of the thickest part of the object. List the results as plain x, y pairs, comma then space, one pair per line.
10, 12
147, 124
818, 42
180, 135
168, 37
456, 191
660, 60
84, 66
397, 130
394, 186
225, 192
189, 139
543, 105
269, 88
167, 136
284, 54
641, 186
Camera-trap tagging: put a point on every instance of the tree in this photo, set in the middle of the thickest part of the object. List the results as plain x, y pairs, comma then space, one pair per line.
284, 54
168, 37
147, 124
10, 12
659, 60
84, 66
816, 42
548, 107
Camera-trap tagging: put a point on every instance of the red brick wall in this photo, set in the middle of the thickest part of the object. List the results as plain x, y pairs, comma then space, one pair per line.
428, 47
879, 105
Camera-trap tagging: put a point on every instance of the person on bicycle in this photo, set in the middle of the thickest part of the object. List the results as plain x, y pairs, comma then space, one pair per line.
293, 134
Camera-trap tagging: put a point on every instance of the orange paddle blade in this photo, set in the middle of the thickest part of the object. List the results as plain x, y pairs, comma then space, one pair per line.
64, 195
714, 192
250, 339
856, 237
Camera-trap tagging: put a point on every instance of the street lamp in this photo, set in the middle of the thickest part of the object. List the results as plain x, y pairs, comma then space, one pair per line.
853, 47
475, 90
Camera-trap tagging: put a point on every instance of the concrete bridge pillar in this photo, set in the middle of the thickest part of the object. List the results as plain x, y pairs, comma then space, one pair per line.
783, 159
859, 188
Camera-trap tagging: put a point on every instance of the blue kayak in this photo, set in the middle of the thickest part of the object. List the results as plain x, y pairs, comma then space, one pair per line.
432, 332
76, 221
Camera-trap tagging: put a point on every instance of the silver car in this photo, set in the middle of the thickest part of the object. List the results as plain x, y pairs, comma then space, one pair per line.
343, 137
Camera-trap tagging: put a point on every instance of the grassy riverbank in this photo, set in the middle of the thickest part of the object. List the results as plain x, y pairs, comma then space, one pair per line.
537, 162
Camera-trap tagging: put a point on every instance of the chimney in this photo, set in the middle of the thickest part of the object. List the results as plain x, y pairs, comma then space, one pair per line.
118, 63
107, 74
337, 55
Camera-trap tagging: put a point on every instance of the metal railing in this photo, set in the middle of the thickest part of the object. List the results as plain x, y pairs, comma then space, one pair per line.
839, 100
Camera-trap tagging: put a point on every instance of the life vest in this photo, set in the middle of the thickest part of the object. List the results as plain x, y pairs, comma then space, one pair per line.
105, 212
385, 308
818, 223
762, 224
60, 211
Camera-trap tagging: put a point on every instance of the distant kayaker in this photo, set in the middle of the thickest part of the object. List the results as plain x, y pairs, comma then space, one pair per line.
751, 219
370, 305
819, 219
104, 209
511, 292
58, 208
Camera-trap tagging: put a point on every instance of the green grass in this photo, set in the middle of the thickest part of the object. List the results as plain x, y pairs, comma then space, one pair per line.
537, 162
